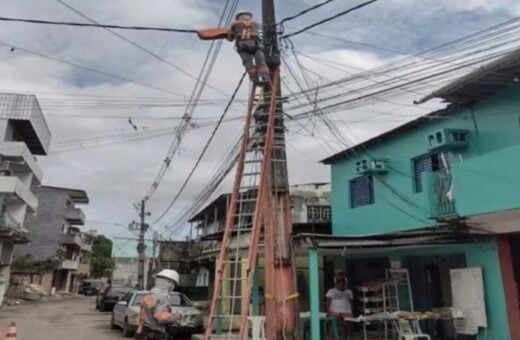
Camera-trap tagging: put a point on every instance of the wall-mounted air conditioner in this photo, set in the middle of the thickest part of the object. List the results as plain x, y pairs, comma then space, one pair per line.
368, 166
448, 139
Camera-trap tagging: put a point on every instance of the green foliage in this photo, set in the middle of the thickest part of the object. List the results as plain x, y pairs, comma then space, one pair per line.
26, 264
102, 247
102, 266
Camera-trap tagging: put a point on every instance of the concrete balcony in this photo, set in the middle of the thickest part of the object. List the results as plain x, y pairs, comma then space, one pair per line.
70, 239
16, 189
20, 158
75, 239
68, 264
27, 121
75, 216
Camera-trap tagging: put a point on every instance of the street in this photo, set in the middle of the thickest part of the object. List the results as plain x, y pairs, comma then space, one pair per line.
74, 318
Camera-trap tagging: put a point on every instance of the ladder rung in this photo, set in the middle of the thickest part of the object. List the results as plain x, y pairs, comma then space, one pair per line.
248, 187
253, 161
247, 200
251, 173
234, 279
227, 316
243, 214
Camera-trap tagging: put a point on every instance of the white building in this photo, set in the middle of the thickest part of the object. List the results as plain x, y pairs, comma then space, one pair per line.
23, 134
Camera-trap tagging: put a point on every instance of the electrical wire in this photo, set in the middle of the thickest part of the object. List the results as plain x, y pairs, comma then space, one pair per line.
90, 69
204, 74
306, 28
140, 47
203, 152
305, 11
81, 24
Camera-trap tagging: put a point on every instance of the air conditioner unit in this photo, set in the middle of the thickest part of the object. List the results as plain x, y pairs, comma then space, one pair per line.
369, 166
448, 139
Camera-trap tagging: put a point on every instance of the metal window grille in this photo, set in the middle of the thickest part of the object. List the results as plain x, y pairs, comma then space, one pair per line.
361, 191
425, 163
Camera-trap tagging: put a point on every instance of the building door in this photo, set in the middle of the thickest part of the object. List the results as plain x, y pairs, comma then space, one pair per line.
431, 288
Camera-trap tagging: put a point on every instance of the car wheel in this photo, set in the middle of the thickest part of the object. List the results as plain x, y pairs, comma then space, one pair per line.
127, 332
113, 322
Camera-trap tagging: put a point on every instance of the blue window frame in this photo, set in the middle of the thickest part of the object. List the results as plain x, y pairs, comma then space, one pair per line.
361, 191
425, 163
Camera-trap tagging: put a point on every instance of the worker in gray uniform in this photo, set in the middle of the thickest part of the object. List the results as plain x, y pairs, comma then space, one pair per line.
246, 33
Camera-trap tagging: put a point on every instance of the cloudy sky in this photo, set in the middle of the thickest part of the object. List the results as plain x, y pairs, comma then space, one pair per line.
88, 112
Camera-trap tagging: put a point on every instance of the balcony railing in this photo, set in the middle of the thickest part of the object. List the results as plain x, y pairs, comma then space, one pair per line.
443, 194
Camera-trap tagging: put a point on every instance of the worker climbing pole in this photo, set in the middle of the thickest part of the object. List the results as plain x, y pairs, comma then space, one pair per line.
259, 211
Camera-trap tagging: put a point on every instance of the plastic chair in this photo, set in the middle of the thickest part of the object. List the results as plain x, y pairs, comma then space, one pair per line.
257, 327
405, 331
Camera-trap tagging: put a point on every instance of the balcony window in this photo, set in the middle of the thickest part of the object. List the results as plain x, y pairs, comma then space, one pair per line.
426, 163
361, 191
318, 213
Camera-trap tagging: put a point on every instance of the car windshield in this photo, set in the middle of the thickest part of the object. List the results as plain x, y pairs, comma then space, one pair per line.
179, 300
138, 299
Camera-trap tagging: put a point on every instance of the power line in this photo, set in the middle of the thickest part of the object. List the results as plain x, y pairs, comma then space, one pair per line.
90, 69
306, 28
305, 11
133, 43
203, 152
193, 101
81, 24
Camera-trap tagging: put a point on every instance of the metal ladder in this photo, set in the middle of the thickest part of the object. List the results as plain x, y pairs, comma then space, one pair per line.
263, 134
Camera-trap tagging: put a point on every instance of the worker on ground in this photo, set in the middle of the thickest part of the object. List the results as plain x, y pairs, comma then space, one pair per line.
339, 301
246, 33
156, 315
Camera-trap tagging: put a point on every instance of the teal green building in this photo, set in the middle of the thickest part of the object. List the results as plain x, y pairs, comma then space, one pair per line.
438, 193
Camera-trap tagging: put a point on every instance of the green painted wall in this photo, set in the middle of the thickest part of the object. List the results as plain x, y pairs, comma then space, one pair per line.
397, 207
483, 255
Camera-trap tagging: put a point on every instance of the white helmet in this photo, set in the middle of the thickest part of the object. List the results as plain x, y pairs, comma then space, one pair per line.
243, 13
170, 275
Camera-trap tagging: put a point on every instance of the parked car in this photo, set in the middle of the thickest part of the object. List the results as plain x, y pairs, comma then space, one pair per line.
90, 287
126, 314
110, 296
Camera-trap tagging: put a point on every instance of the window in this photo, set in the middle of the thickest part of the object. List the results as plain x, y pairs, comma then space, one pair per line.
313, 213
426, 163
325, 213
361, 191
318, 213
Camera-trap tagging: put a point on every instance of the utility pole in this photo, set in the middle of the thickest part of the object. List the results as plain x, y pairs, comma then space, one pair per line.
280, 280
141, 248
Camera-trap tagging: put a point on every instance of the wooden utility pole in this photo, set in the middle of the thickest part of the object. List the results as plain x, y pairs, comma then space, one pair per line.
280, 281
141, 248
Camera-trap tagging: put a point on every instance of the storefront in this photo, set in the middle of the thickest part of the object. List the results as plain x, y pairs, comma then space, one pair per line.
451, 282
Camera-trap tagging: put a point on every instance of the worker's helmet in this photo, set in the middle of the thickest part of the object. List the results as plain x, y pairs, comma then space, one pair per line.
243, 13
169, 274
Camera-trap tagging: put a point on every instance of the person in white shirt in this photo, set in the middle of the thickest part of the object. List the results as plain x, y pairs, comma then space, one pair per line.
339, 301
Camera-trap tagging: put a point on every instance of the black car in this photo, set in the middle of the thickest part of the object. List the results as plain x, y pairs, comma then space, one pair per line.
90, 287
110, 296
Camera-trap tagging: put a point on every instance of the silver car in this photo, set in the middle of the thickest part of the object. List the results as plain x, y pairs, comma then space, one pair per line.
126, 314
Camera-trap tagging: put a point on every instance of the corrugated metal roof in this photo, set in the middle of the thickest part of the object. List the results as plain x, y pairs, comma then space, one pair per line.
484, 82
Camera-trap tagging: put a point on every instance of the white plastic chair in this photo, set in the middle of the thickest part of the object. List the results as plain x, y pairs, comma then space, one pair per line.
405, 331
257, 327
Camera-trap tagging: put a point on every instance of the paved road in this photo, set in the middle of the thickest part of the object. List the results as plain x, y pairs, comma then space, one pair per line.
71, 319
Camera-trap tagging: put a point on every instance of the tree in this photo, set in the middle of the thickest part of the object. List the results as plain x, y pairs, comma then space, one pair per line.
102, 266
102, 263
102, 247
